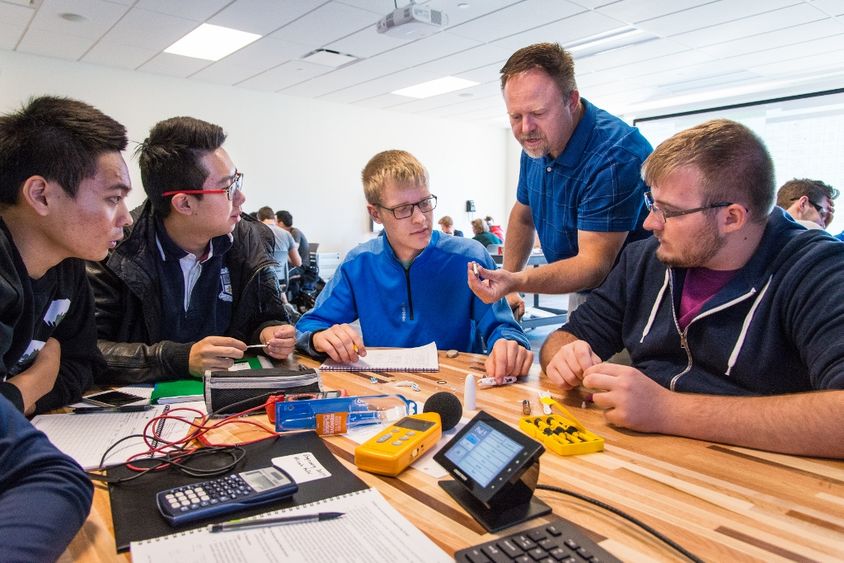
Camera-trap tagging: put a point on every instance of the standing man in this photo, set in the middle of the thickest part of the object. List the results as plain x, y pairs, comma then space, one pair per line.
194, 281
62, 187
810, 202
579, 184
732, 313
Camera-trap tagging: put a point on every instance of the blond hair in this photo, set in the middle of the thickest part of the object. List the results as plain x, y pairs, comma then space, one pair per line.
396, 165
550, 58
733, 163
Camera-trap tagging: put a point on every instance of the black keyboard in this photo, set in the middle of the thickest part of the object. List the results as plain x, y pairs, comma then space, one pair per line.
556, 541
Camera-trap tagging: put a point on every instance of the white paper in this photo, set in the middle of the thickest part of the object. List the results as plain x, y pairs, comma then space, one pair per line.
422, 358
301, 467
86, 437
370, 530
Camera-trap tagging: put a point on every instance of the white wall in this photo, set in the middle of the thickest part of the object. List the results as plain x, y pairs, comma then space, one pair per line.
296, 154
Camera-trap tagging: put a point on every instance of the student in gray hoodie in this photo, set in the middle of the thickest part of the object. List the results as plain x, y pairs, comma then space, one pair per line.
731, 313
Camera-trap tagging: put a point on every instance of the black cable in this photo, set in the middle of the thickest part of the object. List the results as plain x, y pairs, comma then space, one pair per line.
691, 556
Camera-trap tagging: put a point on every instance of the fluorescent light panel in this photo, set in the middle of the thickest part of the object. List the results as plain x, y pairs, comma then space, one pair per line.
435, 87
613, 39
211, 42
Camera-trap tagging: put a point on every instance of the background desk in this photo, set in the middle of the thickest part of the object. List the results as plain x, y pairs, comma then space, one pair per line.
721, 502
546, 315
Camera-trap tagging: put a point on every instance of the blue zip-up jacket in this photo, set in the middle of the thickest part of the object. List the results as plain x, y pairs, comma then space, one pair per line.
429, 301
777, 327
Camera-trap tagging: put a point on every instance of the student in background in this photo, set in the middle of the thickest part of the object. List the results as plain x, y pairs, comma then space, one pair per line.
408, 287
286, 250
446, 224
732, 313
482, 234
62, 187
810, 202
493, 228
579, 183
194, 281
285, 221
44, 495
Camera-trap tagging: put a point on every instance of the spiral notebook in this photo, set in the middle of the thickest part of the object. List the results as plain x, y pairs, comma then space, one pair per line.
422, 358
369, 530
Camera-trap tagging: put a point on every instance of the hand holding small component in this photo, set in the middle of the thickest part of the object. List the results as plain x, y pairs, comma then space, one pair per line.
490, 285
568, 365
214, 352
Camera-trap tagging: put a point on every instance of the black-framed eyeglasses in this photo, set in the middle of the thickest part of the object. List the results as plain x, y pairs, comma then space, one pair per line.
822, 211
406, 209
664, 214
230, 190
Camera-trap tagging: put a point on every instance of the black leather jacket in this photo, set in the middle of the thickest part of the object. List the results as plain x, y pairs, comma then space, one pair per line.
128, 301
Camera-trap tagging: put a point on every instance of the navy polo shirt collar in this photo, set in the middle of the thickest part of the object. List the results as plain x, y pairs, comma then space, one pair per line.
171, 251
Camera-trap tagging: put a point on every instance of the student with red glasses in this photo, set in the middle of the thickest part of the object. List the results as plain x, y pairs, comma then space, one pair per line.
194, 281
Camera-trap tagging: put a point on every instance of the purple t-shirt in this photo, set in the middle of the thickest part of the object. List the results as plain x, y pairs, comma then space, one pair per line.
700, 285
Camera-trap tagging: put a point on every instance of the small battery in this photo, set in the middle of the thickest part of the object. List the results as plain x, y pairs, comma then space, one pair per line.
526, 407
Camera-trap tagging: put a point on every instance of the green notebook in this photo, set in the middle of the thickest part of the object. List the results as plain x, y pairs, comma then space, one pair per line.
179, 391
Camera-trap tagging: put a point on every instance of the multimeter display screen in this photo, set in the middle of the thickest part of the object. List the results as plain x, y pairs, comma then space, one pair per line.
483, 453
414, 424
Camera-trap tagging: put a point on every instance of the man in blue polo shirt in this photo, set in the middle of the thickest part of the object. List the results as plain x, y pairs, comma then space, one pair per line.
579, 182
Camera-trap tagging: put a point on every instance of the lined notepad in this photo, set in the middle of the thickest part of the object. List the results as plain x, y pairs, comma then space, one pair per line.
422, 358
369, 530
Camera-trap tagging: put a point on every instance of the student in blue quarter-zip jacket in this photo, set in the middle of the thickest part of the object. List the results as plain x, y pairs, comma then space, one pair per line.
732, 312
408, 287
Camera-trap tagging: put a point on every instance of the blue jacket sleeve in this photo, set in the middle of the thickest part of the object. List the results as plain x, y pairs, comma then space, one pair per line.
335, 305
496, 320
44, 495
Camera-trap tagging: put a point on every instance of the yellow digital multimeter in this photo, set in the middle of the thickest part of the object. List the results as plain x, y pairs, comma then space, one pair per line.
400, 444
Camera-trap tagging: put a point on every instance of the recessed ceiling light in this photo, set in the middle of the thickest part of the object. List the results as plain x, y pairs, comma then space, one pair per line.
71, 17
211, 42
327, 57
435, 87
463, 5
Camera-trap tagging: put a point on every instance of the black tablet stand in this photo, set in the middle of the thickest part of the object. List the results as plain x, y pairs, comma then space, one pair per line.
513, 504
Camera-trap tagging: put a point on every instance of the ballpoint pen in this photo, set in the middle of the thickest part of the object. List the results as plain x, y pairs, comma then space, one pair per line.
125, 408
261, 523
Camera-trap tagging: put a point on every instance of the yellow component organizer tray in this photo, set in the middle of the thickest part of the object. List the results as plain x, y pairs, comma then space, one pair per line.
561, 433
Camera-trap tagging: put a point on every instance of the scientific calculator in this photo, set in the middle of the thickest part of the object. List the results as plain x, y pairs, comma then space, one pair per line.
240, 491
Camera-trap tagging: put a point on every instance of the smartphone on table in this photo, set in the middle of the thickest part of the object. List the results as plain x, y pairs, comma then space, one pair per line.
112, 399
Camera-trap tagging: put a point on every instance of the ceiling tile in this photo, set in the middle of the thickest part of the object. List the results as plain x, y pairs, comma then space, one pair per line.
470, 59
379, 86
515, 19
148, 30
173, 65
9, 36
754, 25
774, 39
54, 44
627, 55
633, 11
14, 15
564, 31
263, 16
196, 10
367, 43
250, 61
830, 7
713, 13
99, 17
121, 56
325, 24
284, 75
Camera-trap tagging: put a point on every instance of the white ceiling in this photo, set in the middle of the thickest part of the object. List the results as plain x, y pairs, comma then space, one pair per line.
692, 49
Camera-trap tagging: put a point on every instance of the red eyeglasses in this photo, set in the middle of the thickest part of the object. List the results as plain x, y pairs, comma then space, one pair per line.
230, 190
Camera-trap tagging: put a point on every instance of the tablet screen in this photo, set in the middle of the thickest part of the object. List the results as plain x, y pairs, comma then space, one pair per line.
483, 452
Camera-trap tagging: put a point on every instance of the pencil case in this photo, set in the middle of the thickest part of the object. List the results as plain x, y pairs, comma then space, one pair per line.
229, 392
561, 432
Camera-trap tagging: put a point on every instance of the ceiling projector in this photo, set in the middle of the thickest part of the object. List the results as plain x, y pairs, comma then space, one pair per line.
412, 21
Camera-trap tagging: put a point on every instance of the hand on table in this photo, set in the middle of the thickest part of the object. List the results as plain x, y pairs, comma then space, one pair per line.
630, 398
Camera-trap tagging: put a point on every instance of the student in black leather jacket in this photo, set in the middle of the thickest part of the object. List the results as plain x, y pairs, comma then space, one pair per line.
194, 281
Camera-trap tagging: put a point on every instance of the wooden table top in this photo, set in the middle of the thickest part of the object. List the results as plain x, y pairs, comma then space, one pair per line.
722, 503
